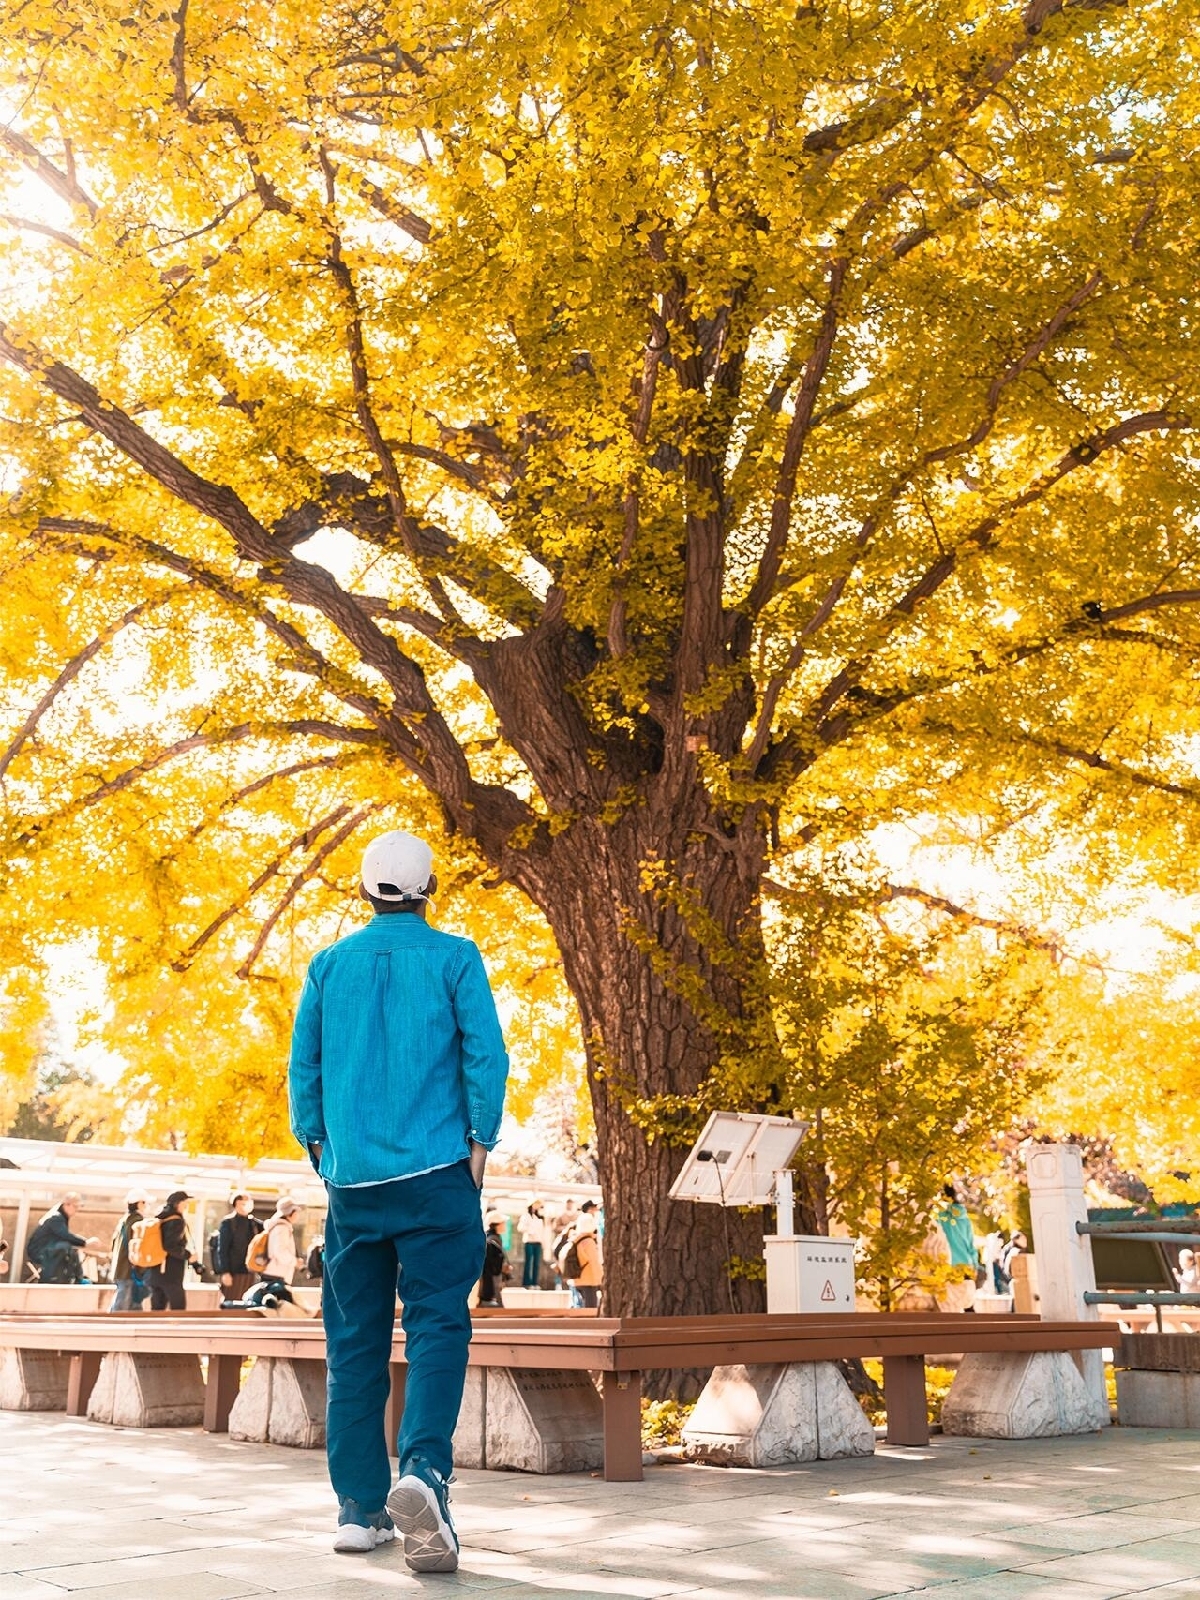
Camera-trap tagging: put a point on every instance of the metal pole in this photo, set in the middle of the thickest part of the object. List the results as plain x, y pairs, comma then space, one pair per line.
1104, 1230
785, 1205
1139, 1297
20, 1234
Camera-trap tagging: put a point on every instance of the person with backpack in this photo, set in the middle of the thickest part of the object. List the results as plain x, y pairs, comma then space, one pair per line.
234, 1235
163, 1243
586, 1260
495, 1262
54, 1249
131, 1287
272, 1253
314, 1261
396, 1085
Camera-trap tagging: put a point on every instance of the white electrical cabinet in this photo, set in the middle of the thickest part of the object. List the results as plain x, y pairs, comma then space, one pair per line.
808, 1272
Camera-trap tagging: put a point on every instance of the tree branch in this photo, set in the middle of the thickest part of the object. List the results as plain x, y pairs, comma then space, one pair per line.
1149, 602
305, 875
309, 658
240, 796
1016, 930
64, 184
407, 221
446, 770
1079, 455
217, 501
298, 727
779, 756
72, 670
811, 377
405, 524
639, 428
346, 500
24, 225
1099, 763
302, 840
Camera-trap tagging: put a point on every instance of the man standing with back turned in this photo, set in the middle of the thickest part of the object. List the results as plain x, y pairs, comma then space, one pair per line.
397, 1088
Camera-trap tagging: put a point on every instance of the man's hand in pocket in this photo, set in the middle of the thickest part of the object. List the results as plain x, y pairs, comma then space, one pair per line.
479, 1157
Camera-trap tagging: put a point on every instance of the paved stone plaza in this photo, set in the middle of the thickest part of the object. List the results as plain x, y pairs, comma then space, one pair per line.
181, 1515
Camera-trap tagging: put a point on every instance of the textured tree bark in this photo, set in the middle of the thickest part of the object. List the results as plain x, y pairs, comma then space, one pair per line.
643, 1038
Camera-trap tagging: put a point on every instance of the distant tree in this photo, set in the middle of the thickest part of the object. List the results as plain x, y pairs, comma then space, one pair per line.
57, 1110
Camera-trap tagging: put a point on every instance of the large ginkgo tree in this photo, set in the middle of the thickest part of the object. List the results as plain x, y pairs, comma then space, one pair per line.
643, 442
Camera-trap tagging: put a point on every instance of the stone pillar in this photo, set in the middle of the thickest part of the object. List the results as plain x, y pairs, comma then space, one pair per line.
148, 1391
281, 1402
1158, 1399
1036, 1394
1158, 1380
250, 1414
33, 1380
773, 1416
1064, 1257
298, 1404
470, 1436
529, 1421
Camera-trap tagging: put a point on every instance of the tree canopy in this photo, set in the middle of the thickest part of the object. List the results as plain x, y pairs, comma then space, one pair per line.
653, 448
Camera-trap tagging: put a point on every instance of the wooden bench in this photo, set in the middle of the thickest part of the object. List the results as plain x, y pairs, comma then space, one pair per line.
619, 1348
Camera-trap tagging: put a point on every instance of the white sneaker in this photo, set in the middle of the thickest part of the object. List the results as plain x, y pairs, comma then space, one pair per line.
419, 1505
351, 1539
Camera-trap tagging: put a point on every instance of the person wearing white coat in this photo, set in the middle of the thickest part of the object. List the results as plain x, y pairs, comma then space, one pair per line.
282, 1258
533, 1230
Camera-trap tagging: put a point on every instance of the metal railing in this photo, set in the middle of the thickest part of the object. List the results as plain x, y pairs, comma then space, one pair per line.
1146, 1233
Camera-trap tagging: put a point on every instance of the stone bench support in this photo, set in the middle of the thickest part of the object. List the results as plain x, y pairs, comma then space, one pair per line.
1024, 1395
1158, 1380
281, 1402
774, 1416
148, 1391
33, 1380
1158, 1399
530, 1421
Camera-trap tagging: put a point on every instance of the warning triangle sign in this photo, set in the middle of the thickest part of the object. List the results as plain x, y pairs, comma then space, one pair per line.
827, 1292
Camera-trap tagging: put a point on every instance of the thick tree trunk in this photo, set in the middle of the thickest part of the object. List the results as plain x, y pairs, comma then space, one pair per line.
643, 1039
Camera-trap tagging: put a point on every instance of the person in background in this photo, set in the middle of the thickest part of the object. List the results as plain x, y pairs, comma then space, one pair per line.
282, 1256
532, 1228
590, 1254
955, 1224
314, 1261
54, 1249
396, 1087
131, 1287
1015, 1247
495, 1262
237, 1228
993, 1248
166, 1281
1188, 1274
564, 1224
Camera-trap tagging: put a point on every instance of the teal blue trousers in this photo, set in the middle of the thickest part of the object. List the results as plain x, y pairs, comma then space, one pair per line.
428, 1230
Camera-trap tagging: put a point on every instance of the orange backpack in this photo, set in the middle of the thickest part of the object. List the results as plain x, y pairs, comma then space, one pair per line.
257, 1251
146, 1244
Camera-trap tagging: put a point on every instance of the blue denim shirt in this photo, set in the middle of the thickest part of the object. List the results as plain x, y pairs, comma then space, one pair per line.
397, 1055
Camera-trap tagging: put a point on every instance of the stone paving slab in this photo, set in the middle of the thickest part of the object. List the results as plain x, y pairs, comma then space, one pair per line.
89, 1512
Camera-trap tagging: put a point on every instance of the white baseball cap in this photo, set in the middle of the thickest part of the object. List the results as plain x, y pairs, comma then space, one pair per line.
397, 866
